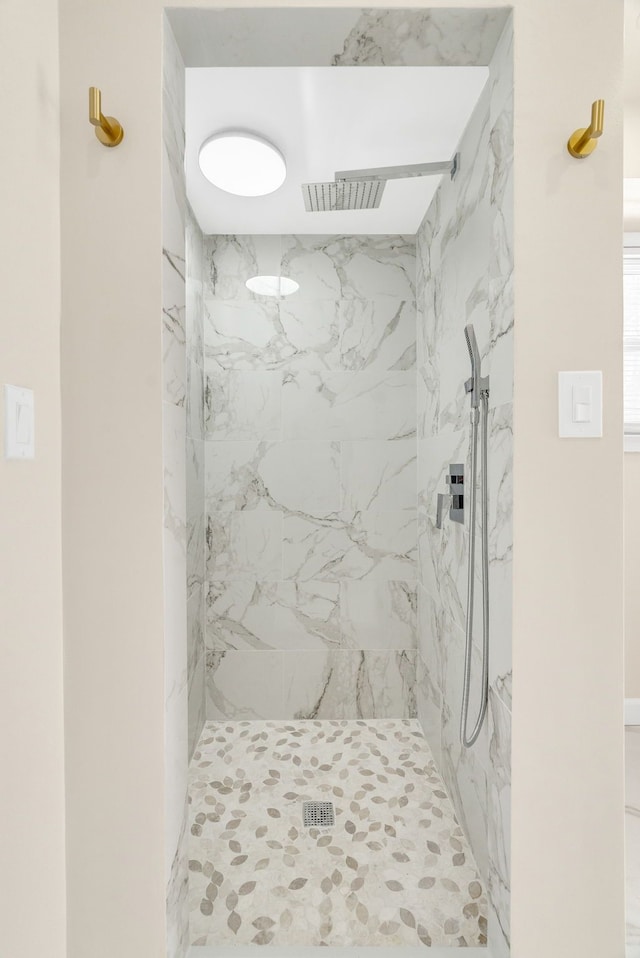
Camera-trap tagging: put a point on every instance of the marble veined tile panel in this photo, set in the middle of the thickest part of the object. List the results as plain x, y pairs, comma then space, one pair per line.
379, 474
273, 615
349, 405
360, 545
351, 267
229, 262
378, 615
349, 684
499, 795
195, 400
273, 334
243, 685
242, 404
243, 545
377, 333
173, 324
422, 38
299, 477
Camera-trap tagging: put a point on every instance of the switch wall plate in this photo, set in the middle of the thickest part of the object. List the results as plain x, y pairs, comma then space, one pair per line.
19, 423
580, 404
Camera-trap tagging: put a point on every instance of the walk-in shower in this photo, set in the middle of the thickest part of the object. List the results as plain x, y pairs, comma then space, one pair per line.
327, 796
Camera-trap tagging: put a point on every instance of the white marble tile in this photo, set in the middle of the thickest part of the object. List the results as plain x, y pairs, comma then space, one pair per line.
195, 400
421, 38
443, 564
194, 252
173, 293
177, 891
349, 684
499, 804
379, 474
174, 549
173, 102
196, 704
428, 707
312, 329
195, 627
349, 405
273, 334
195, 476
464, 770
229, 262
244, 685
429, 679
378, 615
195, 552
378, 334
337, 36
239, 332
243, 545
174, 349
350, 267
299, 477
375, 545
500, 947
273, 615
500, 545
176, 757
243, 405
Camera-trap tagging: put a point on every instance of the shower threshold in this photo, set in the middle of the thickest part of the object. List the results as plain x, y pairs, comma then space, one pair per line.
395, 868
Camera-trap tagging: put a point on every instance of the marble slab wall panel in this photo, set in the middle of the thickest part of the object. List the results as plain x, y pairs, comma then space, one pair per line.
338, 37
465, 275
195, 465
183, 455
310, 478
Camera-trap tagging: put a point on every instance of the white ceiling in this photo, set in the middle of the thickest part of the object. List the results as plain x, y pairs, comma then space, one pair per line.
325, 119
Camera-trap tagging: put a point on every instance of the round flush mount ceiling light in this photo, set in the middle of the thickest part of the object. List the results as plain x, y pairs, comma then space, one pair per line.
272, 285
242, 163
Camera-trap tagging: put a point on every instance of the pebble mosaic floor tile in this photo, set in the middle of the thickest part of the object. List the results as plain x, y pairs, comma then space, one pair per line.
395, 869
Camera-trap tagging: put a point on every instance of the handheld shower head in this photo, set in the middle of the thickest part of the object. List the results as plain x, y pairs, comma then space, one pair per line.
472, 346
472, 385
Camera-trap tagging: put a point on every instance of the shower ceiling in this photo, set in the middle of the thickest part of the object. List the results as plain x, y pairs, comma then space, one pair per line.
325, 119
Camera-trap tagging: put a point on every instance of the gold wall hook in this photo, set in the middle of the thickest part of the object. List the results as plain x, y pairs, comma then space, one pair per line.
108, 130
583, 142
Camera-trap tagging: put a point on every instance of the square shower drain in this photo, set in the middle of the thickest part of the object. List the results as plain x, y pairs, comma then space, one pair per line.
318, 814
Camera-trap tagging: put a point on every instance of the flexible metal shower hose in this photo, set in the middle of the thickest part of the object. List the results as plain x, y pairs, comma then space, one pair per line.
482, 413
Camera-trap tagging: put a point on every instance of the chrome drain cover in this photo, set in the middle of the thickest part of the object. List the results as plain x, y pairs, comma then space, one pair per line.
318, 814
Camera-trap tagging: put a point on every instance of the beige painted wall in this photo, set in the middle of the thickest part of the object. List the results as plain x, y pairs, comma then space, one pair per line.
567, 828
32, 872
112, 482
632, 460
632, 573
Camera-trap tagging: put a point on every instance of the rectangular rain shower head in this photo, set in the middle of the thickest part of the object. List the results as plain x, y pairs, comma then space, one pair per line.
333, 197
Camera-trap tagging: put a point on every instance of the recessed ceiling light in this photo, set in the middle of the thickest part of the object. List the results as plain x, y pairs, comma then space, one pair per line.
272, 285
242, 163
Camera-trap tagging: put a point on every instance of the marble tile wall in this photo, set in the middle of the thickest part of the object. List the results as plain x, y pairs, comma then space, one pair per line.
337, 36
183, 457
310, 488
464, 275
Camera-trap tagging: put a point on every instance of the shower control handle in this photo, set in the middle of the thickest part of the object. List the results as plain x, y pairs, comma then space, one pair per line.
444, 503
454, 500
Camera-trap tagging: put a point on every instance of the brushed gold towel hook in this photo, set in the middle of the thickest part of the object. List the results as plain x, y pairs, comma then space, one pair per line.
108, 130
583, 142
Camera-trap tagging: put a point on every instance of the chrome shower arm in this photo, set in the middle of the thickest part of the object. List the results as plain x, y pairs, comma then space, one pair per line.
403, 172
